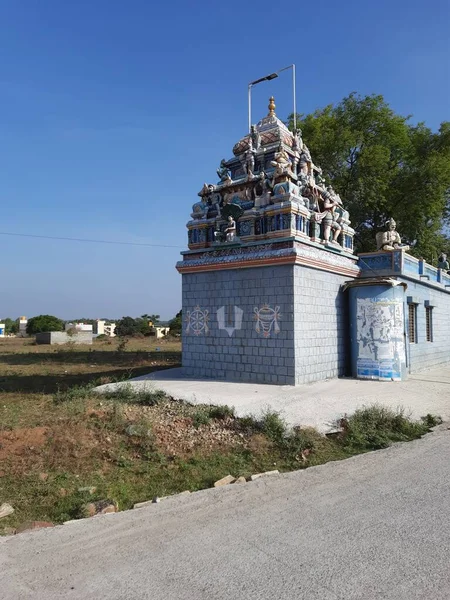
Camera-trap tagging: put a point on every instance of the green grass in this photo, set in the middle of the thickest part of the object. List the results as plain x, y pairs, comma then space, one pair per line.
114, 442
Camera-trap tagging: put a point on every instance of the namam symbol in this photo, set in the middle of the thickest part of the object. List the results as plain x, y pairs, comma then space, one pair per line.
197, 321
232, 321
267, 319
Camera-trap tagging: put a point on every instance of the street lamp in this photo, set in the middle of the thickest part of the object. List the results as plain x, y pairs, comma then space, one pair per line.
269, 78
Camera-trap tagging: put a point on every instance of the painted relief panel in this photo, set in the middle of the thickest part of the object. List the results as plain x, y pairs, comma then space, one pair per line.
380, 338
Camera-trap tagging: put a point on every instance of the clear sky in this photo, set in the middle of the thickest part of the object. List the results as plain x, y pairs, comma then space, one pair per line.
113, 114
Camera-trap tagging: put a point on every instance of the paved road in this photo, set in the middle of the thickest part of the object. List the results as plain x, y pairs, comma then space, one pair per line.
373, 527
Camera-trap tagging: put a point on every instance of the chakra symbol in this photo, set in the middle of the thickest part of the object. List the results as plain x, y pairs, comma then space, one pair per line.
267, 319
197, 321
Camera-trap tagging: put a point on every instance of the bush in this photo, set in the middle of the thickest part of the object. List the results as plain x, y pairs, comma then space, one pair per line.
375, 427
431, 420
273, 426
221, 412
200, 417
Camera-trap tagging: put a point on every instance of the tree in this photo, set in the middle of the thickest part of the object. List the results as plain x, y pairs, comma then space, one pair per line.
383, 167
11, 326
154, 319
129, 327
44, 323
176, 324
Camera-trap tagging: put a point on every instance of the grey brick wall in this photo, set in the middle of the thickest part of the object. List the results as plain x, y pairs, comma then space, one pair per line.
313, 333
247, 355
322, 349
61, 337
424, 354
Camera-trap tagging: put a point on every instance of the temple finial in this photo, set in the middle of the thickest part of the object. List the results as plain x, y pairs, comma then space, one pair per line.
271, 106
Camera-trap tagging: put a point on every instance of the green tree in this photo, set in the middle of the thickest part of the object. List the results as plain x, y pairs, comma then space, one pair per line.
151, 318
383, 166
176, 324
44, 323
11, 325
130, 327
127, 327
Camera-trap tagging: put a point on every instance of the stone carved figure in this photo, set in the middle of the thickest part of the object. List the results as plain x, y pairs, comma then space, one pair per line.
390, 240
255, 137
249, 160
298, 141
281, 163
230, 231
305, 164
265, 186
443, 262
209, 197
330, 218
224, 172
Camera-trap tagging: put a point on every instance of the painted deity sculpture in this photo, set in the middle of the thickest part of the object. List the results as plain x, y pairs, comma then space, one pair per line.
281, 163
390, 240
230, 231
255, 137
443, 262
223, 172
329, 217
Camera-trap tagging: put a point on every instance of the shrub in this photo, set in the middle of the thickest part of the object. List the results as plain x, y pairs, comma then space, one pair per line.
273, 426
431, 420
123, 342
374, 427
221, 412
200, 417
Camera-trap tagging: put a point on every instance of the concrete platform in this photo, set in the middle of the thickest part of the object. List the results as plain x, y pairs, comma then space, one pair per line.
318, 404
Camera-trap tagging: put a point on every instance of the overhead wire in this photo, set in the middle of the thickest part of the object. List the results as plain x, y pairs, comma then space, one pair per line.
91, 241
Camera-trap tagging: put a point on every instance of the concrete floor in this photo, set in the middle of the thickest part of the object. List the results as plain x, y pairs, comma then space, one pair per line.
318, 405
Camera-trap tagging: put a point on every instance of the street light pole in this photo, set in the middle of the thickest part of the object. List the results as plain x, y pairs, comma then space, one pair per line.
269, 78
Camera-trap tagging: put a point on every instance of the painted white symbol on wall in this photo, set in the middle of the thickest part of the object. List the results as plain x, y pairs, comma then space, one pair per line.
230, 320
267, 319
197, 321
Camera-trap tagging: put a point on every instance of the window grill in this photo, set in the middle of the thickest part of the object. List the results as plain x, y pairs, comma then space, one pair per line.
429, 322
412, 323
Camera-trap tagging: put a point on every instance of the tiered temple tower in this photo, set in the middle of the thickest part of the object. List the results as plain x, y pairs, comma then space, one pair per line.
270, 246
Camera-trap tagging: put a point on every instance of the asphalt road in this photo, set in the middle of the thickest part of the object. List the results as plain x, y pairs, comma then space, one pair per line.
373, 527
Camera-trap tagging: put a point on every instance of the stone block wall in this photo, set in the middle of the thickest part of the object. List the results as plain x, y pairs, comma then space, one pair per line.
242, 354
321, 325
307, 325
61, 337
424, 354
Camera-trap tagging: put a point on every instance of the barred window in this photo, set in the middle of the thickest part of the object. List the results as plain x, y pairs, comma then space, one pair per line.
412, 318
429, 322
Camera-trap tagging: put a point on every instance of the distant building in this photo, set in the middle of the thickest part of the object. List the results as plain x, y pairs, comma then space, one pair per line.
2, 330
23, 321
79, 327
101, 327
161, 330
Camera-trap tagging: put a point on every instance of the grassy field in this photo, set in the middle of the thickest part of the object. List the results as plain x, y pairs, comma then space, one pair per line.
57, 436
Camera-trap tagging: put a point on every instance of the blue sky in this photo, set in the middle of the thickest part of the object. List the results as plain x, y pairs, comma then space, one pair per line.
114, 114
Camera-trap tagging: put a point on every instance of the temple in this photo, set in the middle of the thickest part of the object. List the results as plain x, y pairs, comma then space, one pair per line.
272, 292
